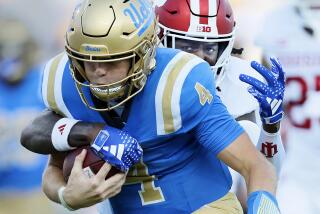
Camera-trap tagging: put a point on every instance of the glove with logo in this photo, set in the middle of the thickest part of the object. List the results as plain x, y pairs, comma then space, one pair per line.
117, 148
270, 95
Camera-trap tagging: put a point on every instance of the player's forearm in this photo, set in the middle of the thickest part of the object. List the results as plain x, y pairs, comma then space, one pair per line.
84, 133
261, 176
242, 156
51, 182
52, 178
37, 137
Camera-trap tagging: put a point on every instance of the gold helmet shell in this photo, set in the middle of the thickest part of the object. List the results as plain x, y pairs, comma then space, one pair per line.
108, 31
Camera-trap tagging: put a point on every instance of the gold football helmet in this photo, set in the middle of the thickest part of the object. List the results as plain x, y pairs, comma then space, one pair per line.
108, 31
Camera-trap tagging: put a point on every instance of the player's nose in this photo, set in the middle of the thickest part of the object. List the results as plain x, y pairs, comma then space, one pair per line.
101, 70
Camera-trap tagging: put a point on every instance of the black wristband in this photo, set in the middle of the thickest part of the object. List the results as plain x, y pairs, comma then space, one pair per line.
271, 128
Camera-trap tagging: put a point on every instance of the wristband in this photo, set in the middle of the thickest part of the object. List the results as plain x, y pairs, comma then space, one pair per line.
61, 199
268, 135
60, 133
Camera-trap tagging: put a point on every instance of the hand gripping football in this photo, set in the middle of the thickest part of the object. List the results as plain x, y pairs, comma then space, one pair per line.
91, 165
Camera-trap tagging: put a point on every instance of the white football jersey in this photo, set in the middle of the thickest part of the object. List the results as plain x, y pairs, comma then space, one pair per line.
233, 93
283, 35
239, 101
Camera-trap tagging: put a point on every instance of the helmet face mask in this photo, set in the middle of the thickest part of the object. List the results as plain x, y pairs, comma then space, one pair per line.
209, 21
107, 31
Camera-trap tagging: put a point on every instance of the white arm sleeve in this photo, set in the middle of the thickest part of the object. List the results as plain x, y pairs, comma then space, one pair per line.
271, 146
268, 144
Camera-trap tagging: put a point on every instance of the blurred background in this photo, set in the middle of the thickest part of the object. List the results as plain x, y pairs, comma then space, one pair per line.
32, 32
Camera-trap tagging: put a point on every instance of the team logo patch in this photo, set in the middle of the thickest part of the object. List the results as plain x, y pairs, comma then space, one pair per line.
204, 94
92, 49
269, 149
141, 17
61, 128
204, 28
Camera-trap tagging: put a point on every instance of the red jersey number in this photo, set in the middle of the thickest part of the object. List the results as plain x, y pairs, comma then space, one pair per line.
306, 123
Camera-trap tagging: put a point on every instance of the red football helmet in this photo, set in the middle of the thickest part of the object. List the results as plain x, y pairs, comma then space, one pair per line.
209, 21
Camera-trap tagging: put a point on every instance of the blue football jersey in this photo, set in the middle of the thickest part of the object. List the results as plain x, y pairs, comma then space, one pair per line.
180, 123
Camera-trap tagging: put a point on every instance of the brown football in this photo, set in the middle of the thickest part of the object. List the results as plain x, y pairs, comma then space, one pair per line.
91, 165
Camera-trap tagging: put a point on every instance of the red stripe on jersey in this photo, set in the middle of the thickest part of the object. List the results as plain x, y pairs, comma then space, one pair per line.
204, 11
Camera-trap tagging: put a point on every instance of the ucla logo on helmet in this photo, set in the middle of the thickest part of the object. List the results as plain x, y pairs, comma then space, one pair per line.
142, 16
92, 49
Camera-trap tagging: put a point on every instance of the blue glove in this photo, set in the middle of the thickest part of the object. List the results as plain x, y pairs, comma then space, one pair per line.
270, 95
117, 148
262, 202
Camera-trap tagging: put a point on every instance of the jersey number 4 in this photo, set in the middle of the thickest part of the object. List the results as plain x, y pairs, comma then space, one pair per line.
149, 193
204, 94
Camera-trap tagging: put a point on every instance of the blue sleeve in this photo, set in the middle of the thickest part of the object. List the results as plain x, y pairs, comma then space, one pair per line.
197, 96
218, 129
203, 112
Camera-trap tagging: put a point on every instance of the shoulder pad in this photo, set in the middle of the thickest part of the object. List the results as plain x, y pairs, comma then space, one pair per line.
185, 88
51, 86
234, 94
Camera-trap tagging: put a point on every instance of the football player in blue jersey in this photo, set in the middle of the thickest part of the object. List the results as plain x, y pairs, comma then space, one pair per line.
206, 28
115, 90
20, 170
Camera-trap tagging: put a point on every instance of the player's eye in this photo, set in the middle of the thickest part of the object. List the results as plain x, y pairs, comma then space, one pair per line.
190, 49
211, 49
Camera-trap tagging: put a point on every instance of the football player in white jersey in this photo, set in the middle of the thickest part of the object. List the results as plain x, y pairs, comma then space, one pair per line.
206, 28
292, 33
